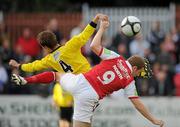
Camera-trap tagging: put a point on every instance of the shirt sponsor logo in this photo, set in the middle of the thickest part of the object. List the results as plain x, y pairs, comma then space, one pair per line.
124, 70
56, 55
117, 72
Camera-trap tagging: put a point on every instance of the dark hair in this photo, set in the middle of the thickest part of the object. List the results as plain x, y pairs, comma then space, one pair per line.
136, 60
47, 38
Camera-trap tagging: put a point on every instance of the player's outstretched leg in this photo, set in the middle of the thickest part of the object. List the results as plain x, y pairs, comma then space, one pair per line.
45, 77
18, 80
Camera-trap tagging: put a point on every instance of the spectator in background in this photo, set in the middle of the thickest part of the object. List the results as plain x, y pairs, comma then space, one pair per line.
27, 43
177, 80
2, 29
5, 47
6, 52
164, 57
122, 49
118, 39
176, 38
53, 26
156, 36
139, 46
175, 35
167, 62
161, 77
26, 50
3, 77
178, 44
162, 83
153, 81
169, 45
76, 30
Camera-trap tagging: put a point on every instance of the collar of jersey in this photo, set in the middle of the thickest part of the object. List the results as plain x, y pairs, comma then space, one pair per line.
129, 65
55, 49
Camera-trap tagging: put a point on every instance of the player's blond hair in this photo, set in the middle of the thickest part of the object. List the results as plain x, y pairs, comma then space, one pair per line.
136, 60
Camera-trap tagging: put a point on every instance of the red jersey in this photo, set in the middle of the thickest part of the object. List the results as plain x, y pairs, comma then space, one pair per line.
109, 76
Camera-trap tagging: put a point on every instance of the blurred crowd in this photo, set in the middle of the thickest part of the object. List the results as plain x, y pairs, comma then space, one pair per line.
161, 48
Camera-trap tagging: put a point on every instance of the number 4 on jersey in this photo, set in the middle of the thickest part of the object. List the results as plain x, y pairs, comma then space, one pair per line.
65, 66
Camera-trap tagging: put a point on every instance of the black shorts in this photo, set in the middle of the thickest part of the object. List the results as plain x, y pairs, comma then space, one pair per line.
66, 113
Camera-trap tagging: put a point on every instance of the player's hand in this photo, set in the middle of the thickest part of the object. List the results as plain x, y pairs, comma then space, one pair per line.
103, 17
18, 80
14, 63
159, 122
100, 16
104, 24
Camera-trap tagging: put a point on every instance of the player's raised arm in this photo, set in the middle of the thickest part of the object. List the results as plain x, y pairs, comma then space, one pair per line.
96, 45
81, 39
144, 111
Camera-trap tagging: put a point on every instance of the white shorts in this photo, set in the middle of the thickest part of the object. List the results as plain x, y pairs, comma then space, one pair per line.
85, 97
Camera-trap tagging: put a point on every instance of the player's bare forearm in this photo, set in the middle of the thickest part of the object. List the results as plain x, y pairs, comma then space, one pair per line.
144, 111
96, 45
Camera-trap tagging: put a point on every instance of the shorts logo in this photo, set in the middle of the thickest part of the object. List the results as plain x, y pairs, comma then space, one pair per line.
96, 104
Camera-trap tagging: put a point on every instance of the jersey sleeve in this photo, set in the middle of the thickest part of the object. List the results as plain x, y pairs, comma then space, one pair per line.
107, 54
130, 90
37, 65
80, 40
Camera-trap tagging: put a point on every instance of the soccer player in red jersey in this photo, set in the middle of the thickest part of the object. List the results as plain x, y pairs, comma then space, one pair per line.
112, 74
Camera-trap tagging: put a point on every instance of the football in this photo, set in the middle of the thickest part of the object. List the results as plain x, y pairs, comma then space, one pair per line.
130, 26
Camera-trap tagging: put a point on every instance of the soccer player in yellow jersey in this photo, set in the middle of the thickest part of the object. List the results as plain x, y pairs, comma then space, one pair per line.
67, 58
64, 101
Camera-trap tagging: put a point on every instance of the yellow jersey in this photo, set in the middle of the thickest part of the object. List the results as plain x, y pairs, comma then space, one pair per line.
67, 58
61, 97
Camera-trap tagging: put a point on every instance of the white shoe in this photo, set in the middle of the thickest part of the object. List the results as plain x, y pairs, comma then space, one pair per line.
18, 80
